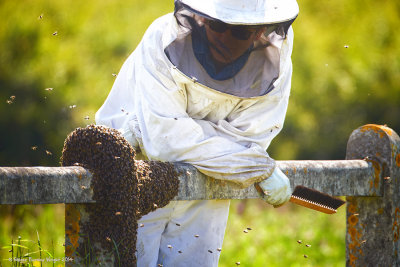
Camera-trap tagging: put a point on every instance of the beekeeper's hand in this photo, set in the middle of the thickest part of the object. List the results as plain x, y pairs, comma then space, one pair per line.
275, 190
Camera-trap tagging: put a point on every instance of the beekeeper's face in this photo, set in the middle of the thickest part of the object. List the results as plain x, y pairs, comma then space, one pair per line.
229, 42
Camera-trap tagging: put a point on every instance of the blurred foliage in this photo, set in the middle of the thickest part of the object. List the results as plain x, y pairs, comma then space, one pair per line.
70, 49
345, 59
346, 74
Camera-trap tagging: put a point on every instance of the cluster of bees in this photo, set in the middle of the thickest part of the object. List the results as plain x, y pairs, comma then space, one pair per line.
124, 188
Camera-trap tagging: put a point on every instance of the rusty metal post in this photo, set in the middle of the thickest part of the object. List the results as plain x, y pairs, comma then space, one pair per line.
373, 223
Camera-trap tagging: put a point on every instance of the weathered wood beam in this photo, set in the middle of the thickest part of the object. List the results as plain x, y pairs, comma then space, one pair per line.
49, 185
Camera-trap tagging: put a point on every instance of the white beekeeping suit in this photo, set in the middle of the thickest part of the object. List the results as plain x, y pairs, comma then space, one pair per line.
168, 105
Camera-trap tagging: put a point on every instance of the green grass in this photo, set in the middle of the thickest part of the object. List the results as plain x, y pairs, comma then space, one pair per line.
272, 240
274, 235
35, 231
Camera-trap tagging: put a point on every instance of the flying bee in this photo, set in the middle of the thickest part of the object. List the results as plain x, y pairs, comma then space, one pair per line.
219, 249
108, 239
169, 246
179, 251
11, 100
196, 236
210, 251
118, 213
72, 106
114, 75
86, 118
34, 148
299, 241
308, 245
248, 228
177, 224
49, 89
49, 153
245, 231
40, 16
305, 256
83, 187
55, 33
237, 263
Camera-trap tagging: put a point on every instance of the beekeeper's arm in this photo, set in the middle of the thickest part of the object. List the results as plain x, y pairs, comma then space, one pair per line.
165, 131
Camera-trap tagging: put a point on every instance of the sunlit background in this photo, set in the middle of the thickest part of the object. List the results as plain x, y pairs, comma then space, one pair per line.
58, 61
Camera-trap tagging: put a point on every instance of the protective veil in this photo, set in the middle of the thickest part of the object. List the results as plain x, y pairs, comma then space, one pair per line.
166, 104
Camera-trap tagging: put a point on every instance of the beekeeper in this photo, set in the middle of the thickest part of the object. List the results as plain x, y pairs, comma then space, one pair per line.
208, 85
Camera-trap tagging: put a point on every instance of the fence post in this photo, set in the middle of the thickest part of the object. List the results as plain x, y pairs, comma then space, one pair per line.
373, 223
79, 251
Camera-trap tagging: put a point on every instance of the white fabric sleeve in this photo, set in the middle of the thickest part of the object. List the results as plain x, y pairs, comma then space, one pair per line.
154, 116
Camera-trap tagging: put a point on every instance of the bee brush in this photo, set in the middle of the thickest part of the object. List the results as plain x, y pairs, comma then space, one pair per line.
313, 199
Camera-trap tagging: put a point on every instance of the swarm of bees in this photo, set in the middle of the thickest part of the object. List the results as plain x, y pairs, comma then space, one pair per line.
124, 188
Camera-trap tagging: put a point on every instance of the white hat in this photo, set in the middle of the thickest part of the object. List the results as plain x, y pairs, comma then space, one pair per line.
246, 12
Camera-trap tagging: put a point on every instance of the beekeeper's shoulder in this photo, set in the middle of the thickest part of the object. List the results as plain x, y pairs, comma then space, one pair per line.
160, 31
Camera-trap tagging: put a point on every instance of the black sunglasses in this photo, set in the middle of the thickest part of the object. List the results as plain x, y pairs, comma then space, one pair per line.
240, 32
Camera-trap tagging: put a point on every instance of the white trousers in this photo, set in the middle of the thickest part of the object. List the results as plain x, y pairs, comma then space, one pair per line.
183, 233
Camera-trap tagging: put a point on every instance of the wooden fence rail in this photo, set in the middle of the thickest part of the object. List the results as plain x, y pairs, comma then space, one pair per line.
369, 178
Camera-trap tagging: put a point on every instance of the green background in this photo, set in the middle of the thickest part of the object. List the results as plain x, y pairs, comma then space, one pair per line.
346, 74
